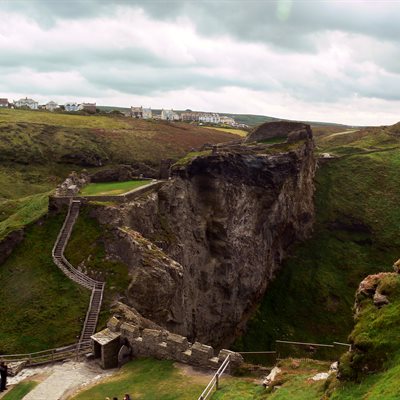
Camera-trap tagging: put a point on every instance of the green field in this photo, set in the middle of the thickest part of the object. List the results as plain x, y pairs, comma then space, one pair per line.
112, 188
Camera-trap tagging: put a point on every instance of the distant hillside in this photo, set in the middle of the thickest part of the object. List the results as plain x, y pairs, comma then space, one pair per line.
38, 150
248, 119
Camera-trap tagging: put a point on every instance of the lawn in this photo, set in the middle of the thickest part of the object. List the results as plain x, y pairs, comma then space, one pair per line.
19, 391
148, 379
112, 188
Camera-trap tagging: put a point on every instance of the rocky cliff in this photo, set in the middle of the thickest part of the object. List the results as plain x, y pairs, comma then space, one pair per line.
203, 249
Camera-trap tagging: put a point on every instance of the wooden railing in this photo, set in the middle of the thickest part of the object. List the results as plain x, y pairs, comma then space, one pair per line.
214, 382
51, 355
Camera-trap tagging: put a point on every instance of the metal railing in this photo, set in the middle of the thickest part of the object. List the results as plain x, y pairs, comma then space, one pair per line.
317, 351
214, 382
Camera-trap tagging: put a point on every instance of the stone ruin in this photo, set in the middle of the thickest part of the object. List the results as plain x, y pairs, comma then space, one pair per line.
73, 184
119, 339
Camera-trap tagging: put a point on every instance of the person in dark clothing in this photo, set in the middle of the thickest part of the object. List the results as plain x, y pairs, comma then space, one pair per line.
3, 376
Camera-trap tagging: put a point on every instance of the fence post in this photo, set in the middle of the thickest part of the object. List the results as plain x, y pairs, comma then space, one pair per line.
217, 381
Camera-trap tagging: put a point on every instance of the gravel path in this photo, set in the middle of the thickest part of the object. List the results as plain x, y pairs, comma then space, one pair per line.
58, 382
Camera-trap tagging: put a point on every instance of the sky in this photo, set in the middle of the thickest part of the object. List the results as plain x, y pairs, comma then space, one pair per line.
336, 61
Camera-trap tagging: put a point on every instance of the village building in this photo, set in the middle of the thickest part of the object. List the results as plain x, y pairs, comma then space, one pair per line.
27, 103
88, 107
169, 115
147, 113
211, 118
51, 106
72, 107
3, 103
190, 116
227, 120
137, 112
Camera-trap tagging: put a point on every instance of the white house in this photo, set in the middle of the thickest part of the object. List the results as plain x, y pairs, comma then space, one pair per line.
51, 106
210, 118
147, 113
71, 107
169, 115
227, 120
32, 104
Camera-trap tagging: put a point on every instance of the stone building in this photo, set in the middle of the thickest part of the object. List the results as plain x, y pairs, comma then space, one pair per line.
88, 107
137, 112
3, 103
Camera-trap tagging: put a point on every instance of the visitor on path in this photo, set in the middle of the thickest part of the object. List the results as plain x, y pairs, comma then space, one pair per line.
127, 397
3, 376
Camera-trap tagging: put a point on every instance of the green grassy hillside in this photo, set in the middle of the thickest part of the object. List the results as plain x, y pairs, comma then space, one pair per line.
356, 234
40, 307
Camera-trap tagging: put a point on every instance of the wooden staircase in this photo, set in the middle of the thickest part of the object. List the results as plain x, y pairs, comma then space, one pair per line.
97, 287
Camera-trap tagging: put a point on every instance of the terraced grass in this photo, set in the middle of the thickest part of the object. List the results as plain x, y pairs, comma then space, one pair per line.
40, 307
112, 188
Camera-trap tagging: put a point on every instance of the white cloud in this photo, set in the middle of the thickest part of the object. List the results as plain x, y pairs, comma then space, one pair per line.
130, 57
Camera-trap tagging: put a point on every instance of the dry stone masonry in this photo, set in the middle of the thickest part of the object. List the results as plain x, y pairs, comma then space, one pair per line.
157, 343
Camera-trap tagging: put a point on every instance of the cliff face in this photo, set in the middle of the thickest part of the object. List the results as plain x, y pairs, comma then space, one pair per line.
203, 249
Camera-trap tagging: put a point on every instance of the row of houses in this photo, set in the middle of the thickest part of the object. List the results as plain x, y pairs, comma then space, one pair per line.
187, 116
135, 112
50, 106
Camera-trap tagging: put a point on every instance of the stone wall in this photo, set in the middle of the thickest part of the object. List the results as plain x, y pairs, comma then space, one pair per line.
55, 202
165, 345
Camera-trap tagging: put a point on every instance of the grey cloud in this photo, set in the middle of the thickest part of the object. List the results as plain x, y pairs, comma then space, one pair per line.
250, 20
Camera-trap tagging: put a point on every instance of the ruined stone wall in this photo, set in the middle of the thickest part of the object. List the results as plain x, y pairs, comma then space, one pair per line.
164, 345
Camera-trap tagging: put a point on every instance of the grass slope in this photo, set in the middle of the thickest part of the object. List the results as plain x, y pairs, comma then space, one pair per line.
37, 137
19, 391
40, 307
376, 347
86, 248
356, 234
147, 379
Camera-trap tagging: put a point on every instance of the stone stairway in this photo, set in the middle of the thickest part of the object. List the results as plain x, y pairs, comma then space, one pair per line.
97, 288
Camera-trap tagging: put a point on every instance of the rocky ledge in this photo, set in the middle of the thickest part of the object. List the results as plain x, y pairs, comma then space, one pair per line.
202, 249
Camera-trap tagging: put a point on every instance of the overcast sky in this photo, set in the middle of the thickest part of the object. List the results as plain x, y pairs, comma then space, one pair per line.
335, 61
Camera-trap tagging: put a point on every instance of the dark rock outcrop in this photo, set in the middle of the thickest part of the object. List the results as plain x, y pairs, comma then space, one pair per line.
292, 131
203, 249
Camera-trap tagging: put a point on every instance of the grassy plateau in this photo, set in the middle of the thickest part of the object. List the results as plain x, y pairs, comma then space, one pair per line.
112, 188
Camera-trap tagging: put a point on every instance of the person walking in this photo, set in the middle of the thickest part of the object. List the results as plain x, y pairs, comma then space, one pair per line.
3, 376
127, 397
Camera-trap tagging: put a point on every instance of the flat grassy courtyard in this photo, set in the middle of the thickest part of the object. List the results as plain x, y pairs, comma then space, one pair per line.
112, 188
